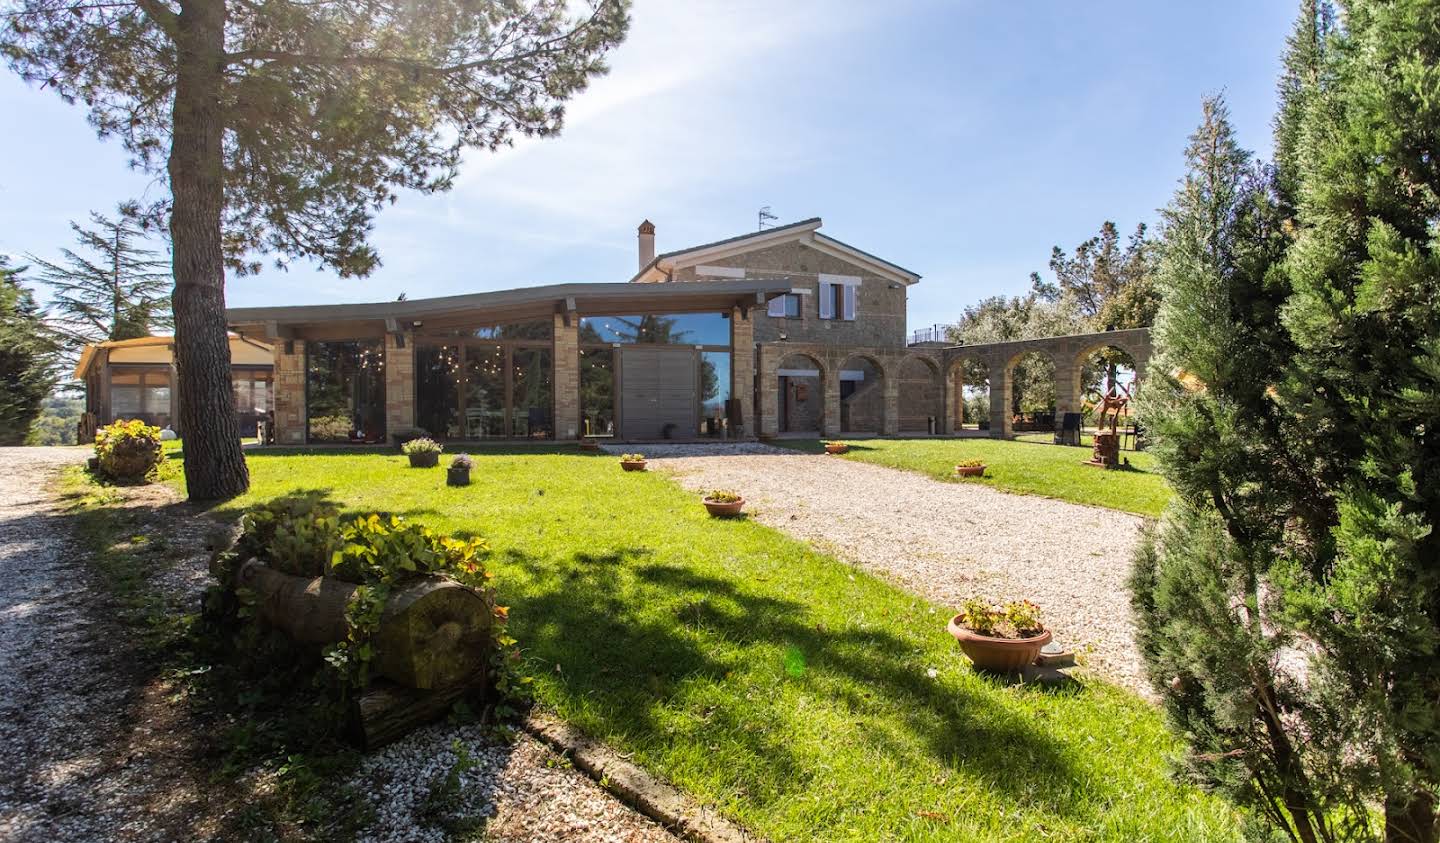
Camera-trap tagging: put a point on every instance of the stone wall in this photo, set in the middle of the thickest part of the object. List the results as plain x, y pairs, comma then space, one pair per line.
399, 384
879, 310
742, 365
289, 392
567, 376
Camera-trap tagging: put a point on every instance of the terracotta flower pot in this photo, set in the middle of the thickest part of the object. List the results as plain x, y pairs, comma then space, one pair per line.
970, 470
998, 655
633, 465
724, 509
836, 448
457, 476
429, 459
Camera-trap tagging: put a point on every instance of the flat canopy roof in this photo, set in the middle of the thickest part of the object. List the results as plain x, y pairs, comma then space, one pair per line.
321, 321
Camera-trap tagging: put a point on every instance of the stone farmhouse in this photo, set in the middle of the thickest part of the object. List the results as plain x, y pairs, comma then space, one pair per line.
784, 331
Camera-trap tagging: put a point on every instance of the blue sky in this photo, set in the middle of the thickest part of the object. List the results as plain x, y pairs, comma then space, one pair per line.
958, 139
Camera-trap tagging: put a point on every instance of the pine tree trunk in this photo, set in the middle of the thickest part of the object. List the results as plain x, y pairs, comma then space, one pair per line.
1410, 818
214, 465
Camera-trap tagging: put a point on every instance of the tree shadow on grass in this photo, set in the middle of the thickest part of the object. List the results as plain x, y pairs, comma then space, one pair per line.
624, 668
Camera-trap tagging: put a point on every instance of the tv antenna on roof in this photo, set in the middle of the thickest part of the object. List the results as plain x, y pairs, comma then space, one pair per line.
765, 218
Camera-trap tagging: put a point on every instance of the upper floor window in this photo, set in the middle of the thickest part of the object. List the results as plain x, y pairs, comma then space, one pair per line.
786, 306
838, 295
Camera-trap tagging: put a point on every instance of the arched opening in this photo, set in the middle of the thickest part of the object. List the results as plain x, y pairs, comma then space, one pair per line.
1032, 392
970, 383
921, 396
801, 388
862, 396
1107, 378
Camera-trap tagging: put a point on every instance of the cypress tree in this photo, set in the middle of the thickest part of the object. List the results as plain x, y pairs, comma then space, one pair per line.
27, 352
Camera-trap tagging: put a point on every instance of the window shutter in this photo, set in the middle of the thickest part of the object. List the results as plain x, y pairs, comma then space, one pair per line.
827, 301
852, 293
777, 306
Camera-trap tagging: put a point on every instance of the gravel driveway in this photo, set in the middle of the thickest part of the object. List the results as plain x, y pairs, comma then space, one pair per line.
945, 541
93, 745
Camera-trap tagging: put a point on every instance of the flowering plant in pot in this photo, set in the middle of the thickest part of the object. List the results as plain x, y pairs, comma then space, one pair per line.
970, 468
1002, 639
836, 447
723, 503
632, 462
423, 452
458, 474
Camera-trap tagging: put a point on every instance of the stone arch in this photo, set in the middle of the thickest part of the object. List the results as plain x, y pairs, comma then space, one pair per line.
967, 393
1080, 383
1034, 416
920, 405
800, 385
862, 386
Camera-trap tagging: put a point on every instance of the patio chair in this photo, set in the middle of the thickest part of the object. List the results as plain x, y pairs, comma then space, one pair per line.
1068, 433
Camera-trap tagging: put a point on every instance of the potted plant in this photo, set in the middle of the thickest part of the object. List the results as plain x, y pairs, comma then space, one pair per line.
458, 474
836, 447
632, 462
970, 468
723, 503
1002, 639
423, 452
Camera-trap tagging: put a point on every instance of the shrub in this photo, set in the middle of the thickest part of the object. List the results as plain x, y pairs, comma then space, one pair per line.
462, 461
722, 496
1016, 619
422, 445
128, 450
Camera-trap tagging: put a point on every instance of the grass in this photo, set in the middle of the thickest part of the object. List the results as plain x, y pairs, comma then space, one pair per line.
1054, 471
788, 689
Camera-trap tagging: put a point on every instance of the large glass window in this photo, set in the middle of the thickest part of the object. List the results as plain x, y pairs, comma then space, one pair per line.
530, 393
597, 392
714, 391
345, 391
671, 329
437, 390
538, 330
140, 393
125, 395
484, 391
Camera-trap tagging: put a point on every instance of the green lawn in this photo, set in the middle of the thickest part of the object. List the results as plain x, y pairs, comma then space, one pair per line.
1055, 471
772, 681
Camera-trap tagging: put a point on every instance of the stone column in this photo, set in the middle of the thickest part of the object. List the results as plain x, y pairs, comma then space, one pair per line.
831, 422
400, 383
289, 392
1067, 385
999, 398
891, 425
768, 414
567, 376
742, 372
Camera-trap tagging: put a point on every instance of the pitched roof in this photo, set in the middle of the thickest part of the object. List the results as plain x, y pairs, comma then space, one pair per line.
805, 230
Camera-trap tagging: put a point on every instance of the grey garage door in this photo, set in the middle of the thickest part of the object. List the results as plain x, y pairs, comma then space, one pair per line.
657, 391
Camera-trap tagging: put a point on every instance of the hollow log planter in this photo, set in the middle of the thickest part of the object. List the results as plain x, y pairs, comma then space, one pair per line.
432, 645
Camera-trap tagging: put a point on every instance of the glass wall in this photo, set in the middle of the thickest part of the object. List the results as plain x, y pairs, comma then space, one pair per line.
345, 391
597, 392
437, 390
473, 389
672, 329
714, 392
140, 393
484, 391
530, 392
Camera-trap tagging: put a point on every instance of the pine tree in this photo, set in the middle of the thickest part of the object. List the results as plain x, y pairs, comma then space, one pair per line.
118, 291
281, 127
1365, 317
1203, 581
27, 351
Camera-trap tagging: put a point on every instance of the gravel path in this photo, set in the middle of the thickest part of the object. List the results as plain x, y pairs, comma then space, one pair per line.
93, 745
945, 541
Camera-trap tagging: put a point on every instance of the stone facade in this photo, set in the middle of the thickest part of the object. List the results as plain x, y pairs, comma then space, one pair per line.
875, 406
879, 309
399, 384
742, 364
289, 392
567, 376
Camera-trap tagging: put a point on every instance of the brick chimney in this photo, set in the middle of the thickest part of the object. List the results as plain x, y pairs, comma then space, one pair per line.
647, 243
